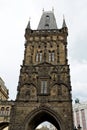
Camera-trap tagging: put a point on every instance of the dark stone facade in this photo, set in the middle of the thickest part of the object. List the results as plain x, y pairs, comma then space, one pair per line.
44, 88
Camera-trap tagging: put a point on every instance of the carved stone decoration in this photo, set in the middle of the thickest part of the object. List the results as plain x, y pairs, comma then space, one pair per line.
44, 87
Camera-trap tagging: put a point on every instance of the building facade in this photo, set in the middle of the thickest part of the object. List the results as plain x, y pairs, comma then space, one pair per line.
3, 90
5, 105
5, 108
44, 87
80, 115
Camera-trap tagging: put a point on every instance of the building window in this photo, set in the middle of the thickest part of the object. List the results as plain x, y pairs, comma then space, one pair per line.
77, 118
7, 111
43, 87
51, 56
83, 119
47, 17
39, 56
47, 26
47, 21
2, 110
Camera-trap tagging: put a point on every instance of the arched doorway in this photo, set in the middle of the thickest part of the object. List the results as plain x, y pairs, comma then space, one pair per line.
40, 115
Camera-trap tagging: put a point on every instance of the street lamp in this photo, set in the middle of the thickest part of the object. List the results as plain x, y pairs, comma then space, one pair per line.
75, 128
79, 127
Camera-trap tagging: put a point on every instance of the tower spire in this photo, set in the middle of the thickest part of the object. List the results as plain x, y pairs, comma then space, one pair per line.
64, 23
47, 21
28, 26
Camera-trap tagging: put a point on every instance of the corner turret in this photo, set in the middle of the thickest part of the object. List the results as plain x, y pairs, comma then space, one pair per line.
28, 26
64, 23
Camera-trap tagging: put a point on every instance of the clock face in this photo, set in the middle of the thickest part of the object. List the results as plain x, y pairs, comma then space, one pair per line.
61, 38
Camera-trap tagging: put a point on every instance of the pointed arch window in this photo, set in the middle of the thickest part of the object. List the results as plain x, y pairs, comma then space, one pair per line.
46, 26
51, 56
47, 18
43, 87
39, 56
47, 22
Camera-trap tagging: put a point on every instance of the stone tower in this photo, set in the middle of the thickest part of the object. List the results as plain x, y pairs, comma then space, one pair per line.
44, 88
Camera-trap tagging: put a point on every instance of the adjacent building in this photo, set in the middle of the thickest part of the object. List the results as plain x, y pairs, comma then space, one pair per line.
80, 115
3, 90
5, 105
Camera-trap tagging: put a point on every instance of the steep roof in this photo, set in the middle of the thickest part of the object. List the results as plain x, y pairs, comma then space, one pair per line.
47, 21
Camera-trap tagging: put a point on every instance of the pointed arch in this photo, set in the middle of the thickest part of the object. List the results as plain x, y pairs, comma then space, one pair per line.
40, 115
60, 83
59, 89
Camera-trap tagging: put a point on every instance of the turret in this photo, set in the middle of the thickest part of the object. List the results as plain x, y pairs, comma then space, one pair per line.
64, 23
28, 26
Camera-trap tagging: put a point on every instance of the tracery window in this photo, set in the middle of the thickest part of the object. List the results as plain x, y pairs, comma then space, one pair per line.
39, 56
51, 56
44, 87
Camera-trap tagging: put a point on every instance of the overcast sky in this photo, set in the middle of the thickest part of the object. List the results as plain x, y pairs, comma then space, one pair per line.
14, 16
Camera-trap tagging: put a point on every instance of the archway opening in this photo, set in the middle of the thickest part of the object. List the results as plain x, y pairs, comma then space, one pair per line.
40, 116
46, 126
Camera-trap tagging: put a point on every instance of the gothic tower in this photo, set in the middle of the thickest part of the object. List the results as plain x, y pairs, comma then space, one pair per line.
44, 88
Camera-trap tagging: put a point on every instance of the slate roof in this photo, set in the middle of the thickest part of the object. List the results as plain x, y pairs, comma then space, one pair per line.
47, 21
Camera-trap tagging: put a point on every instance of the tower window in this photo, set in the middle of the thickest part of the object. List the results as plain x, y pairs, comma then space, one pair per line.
51, 56
7, 111
47, 17
39, 56
47, 22
46, 25
43, 87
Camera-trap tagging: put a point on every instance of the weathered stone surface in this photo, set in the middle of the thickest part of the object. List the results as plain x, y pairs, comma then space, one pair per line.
44, 89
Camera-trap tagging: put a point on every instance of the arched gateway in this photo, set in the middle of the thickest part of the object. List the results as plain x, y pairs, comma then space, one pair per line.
40, 115
44, 88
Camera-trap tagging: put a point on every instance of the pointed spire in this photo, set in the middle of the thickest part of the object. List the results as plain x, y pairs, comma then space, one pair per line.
28, 26
43, 10
47, 21
53, 9
64, 23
